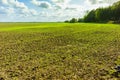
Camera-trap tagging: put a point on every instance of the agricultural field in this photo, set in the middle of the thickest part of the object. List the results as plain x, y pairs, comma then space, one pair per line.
59, 51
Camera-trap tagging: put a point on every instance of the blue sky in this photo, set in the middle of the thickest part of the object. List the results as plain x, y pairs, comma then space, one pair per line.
47, 10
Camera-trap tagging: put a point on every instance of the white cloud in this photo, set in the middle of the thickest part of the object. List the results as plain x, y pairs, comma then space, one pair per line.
33, 12
109, 1
60, 4
42, 4
17, 4
94, 4
7, 10
14, 3
44, 14
10, 10
61, 1
4, 1
66, 5
65, 9
74, 7
28, 12
18, 7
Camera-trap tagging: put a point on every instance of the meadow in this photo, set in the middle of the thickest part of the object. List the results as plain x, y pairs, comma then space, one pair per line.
59, 51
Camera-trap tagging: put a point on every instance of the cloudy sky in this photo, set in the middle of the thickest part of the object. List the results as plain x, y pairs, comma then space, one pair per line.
47, 10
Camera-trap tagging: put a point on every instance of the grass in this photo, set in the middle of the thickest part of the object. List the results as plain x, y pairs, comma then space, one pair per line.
59, 51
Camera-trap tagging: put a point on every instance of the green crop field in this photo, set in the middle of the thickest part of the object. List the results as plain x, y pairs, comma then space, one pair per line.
59, 51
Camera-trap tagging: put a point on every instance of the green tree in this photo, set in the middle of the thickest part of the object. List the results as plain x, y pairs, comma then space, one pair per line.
90, 17
111, 13
108, 14
66, 21
103, 14
80, 20
116, 11
73, 20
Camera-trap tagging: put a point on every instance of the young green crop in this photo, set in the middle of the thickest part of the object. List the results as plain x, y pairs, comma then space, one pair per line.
50, 51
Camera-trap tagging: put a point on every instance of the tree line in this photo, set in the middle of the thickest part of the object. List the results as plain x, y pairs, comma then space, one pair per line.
102, 15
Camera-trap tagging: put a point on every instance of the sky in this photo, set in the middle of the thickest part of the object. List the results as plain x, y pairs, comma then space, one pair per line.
47, 10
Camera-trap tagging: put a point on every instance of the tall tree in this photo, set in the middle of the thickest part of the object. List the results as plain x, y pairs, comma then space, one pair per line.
116, 9
73, 20
90, 17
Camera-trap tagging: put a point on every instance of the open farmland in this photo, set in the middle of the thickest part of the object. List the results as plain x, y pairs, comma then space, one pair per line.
59, 51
